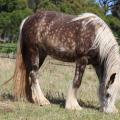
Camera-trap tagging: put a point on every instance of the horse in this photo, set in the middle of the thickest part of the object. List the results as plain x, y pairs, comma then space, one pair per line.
83, 39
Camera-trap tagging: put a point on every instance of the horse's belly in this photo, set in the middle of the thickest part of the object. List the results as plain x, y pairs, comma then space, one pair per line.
63, 55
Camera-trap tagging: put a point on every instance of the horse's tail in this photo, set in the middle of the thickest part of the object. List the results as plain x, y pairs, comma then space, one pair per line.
21, 78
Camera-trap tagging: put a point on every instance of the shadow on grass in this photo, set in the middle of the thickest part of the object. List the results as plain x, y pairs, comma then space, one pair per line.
6, 96
88, 105
57, 99
61, 101
6, 102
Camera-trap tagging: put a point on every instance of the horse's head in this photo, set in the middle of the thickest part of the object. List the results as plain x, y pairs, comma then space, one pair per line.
112, 82
111, 90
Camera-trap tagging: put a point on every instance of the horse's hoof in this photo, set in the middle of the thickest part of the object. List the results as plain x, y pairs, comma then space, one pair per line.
73, 106
44, 102
41, 101
110, 110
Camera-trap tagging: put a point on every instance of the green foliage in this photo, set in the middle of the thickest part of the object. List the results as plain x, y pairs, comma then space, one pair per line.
71, 6
12, 12
10, 22
11, 5
15, 19
8, 48
47, 5
33, 4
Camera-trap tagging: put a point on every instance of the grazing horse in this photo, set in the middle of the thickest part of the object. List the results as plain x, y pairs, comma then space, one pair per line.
84, 39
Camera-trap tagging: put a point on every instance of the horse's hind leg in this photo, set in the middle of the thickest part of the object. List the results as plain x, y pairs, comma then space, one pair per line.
37, 58
71, 101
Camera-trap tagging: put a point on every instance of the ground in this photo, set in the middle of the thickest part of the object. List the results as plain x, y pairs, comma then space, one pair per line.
55, 77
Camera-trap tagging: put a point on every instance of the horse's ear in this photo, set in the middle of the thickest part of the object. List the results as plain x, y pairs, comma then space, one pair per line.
111, 81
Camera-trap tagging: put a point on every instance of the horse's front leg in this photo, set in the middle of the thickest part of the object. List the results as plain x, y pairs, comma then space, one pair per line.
71, 101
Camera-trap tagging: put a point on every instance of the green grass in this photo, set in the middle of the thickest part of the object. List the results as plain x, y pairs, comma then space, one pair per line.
8, 47
54, 80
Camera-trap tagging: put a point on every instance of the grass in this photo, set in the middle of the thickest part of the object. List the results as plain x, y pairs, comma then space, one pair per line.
54, 80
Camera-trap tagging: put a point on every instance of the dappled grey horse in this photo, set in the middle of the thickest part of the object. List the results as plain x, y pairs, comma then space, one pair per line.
84, 39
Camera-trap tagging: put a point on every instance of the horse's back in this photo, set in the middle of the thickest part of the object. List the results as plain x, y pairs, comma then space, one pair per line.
57, 35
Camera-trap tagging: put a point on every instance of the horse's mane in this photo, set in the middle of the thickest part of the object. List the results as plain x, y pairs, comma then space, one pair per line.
105, 42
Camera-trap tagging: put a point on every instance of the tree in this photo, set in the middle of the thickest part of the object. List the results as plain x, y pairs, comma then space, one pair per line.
112, 5
11, 5
113, 19
33, 4
116, 9
11, 14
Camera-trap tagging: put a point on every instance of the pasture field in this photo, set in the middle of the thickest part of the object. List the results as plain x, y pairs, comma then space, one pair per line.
55, 78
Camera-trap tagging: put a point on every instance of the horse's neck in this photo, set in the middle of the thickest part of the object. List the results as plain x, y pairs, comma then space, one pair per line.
111, 63
99, 71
